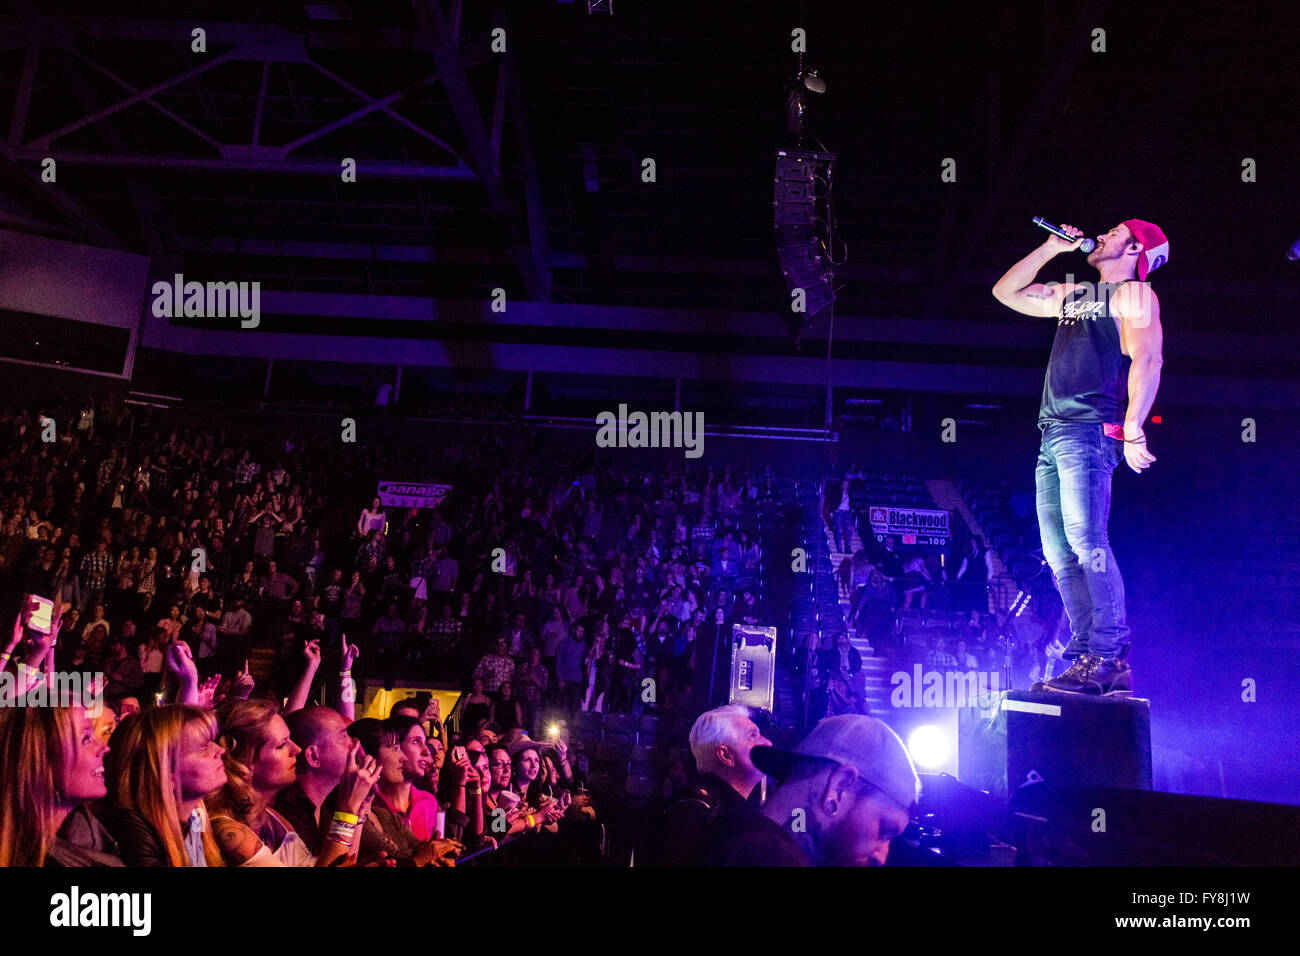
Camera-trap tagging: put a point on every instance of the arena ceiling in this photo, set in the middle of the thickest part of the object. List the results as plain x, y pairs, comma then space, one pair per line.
480, 169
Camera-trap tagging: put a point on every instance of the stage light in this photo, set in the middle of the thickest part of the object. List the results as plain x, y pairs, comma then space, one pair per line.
812, 82
929, 746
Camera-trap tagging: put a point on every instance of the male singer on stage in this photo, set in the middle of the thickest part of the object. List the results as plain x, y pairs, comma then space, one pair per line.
1106, 355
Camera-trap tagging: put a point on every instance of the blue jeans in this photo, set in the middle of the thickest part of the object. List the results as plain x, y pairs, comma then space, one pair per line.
843, 526
1075, 463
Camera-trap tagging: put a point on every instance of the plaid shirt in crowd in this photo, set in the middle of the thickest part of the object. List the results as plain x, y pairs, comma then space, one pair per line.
94, 570
530, 682
107, 471
444, 635
371, 548
440, 533
494, 669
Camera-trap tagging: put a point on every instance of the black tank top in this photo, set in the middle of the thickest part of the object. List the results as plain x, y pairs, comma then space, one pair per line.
1087, 374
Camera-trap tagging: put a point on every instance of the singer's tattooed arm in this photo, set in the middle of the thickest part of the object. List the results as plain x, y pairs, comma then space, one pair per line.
1018, 290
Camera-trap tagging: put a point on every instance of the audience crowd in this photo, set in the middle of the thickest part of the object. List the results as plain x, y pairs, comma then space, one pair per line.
219, 577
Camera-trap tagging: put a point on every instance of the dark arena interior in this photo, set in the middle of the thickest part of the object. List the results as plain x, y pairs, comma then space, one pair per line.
611, 435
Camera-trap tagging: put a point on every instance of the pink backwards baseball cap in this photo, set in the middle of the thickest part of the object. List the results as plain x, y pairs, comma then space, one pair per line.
1155, 246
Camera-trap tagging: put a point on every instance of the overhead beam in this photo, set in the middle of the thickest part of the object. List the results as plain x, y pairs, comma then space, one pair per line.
179, 120
372, 106
26, 82
232, 164
503, 85
261, 102
534, 195
441, 45
91, 227
667, 265
313, 36
350, 251
385, 106
138, 96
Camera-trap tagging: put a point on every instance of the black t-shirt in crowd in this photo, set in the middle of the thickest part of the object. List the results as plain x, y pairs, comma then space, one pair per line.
331, 601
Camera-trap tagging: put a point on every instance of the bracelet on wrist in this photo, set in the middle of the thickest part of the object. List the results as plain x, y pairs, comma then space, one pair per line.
342, 832
345, 817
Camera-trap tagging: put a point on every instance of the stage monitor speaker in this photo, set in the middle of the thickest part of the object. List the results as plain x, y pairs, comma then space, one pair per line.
753, 666
1065, 739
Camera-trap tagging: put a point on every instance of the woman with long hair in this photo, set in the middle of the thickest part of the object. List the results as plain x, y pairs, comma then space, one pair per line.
372, 518
292, 514
261, 760
53, 764
477, 709
402, 755
164, 763
528, 780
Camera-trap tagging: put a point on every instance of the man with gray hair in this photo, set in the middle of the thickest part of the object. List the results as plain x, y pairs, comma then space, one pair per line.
844, 794
721, 741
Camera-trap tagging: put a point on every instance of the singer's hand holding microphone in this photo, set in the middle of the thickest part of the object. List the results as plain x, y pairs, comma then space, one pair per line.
1066, 245
1064, 238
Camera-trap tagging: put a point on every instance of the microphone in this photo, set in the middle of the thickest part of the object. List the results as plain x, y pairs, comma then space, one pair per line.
1086, 246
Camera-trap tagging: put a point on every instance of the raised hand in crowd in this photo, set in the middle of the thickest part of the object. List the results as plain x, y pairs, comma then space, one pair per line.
244, 683
180, 661
348, 654
302, 689
208, 691
20, 628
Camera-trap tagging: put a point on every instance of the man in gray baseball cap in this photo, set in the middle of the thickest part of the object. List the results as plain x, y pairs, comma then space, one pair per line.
841, 796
